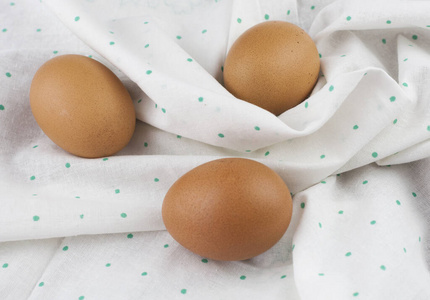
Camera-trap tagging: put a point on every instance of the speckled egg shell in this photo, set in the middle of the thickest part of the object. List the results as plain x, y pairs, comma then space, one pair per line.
274, 65
228, 209
82, 106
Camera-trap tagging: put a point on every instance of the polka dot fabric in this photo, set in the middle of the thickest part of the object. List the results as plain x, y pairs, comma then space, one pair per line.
355, 154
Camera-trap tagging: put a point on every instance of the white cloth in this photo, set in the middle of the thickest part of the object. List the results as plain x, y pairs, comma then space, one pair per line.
74, 228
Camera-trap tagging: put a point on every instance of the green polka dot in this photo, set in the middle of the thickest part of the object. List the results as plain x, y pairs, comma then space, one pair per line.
204, 260
38, 30
348, 254
247, 150
415, 37
130, 236
200, 99
184, 291
166, 245
156, 179
204, 31
392, 98
105, 159
8, 74
4, 29
12, 4
145, 23
1, 107
108, 265
331, 88
145, 144
36, 218
319, 54
239, 20
383, 268
267, 153
373, 222
77, 197
140, 100
33, 177
320, 274
220, 135
292, 248
67, 165
147, 45
148, 72
81, 298
77, 18
111, 32
81, 216
111, 43
356, 294
65, 248
384, 41
355, 127
419, 239
398, 202
365, 182
144, 274
306, 104
348, 18
313, 7
388, 22
302, 205
375, 154
179, 37
163, 110
340, 212
243, 277
405, 84
320, 225
123, 215
189, 59
257, 128
222, 68
55, 51
288, 12
41, 284
178, 137
283, 276
395, 121
5, 265
322, 156
117, 191
404, 250
414, 194
323, 182
266, 16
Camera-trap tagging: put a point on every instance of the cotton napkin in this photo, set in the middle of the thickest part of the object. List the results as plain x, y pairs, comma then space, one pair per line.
353, 154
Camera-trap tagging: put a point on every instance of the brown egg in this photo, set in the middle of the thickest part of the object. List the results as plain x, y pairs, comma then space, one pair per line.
228, 209
273, 65
82, 106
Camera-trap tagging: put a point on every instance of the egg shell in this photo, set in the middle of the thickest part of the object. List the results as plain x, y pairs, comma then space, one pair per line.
274, 65
228, 209
82, 106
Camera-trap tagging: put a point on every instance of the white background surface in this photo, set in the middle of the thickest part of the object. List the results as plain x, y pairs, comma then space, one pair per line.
360, 235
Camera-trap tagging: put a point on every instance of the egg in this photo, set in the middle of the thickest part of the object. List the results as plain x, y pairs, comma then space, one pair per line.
273, 65
228, 209
82, 106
